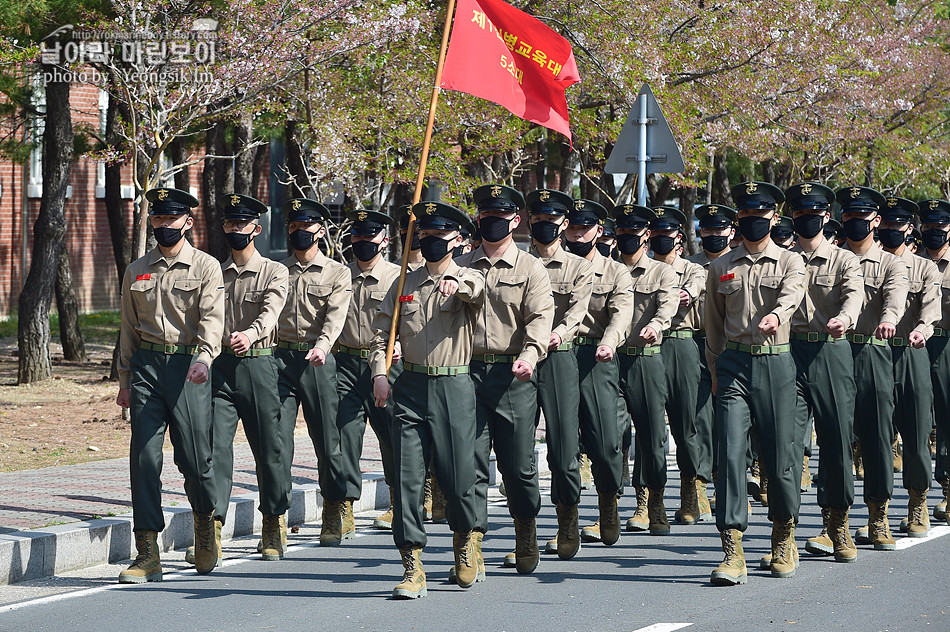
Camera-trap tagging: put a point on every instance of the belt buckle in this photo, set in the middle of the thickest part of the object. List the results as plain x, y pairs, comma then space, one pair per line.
488, 358
812, 336
756, 349
169, 349
364, 353
898, 341
432, 370
858, 338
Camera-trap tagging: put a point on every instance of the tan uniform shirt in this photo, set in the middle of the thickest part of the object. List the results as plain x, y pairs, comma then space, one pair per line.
178, 301
369, 290
519, 305
255, 296
655, 299
943, 266
611, 303
317, 299
835, 289
922, 309
885, 290
690, 277
742, 289
434, 330
696, 313
571, 281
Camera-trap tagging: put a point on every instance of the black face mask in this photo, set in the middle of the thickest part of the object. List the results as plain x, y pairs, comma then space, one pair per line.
168, 237
754, 227
580, 248
365, 250
458, 251
604, 249
415, 240
662, 244
808, 225
890, 238
545, 232
434, 248
302, 239
628, 244
857, 229
934, 239
239, 241
714, 243
494, 228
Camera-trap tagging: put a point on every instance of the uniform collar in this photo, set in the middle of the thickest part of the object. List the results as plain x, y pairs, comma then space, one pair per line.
451, 271
823, 251
372, 272
253, 264
874, 253
559, 256
186, 255
679, 264
509, 256
772, 251
319, 260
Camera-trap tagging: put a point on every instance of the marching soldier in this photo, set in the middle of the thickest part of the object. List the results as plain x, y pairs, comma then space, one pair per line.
434, 407
834, 232
913, 406
751, 294
885, 293
371, 277
607, 243
172, 324
603, 329
824, 367
783, 234
318, 298
415, 255
511, 336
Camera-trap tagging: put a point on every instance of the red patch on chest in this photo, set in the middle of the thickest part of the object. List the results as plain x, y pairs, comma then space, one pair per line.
405, 298
727, 277
143, 277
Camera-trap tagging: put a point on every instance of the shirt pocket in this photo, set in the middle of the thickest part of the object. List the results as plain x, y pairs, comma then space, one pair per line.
411, 317
510, 289
254, 296
729, 287
769, 287
185, 293
914, 287
373, 300
144, 295
645, 296
826, 288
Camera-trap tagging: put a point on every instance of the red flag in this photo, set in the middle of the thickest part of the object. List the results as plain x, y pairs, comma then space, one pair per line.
506, 56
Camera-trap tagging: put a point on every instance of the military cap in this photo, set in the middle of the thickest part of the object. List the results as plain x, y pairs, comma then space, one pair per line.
859, 200
914, 238
166, 201
934, 212
305, 210
667, 218
809, 196
498, 197
243, 207
439, 216
897, 209
587, 213
549, 202
715, 216
632, 216
610, 227
784, 229
366, 222
468, 228
832, 228
401, 215
757, 195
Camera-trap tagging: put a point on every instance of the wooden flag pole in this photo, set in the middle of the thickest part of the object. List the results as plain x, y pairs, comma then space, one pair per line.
420, 178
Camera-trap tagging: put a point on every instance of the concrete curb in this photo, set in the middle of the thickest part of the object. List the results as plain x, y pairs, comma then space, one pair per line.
38, 553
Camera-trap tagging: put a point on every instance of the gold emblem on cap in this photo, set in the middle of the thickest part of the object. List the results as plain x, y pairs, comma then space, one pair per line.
296, 205
855, 192
544, 196
162, 194
578, 205
806, 188
628, 209
361, 216
430, 208
751, 188
934, 204
659, 212
495, 191
712, 210
891, 202
235, 200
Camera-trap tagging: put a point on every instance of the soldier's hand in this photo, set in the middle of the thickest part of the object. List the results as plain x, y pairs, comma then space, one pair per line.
769, 325
448, 287
886, 331
917, 340
604, 354
198, 373
522, 370
381, 390
555, 341
648, 334
316, 357
685, 298
835, 327
397, 351
239, 343
124, 398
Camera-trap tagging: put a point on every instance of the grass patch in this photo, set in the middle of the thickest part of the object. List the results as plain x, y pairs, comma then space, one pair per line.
97, 327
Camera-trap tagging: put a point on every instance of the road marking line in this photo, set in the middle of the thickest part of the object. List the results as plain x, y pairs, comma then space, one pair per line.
935, 532
664, 627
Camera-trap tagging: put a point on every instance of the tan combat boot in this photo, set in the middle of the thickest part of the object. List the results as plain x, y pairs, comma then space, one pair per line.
587, 478
591, 533
898, 454
806, 476
712, 501
821, 544
659, 525
283, 532
879, 532
207, 542
858, 462
688, 513
609, 518
753, 481
568, 540
641, 517
733, 570
438, 502
764, 489
331, 527
413, 583
466, 558
784, 549
844, 548
347, 520
702, 501
940, 509
526, 545
918, 517
272, 549
427, 499
385, 520
146, 567
478, 536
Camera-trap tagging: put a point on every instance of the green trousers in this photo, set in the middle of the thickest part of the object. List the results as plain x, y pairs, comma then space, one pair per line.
939, 351
643, 383
597, 418
300, 384
913, 413
246, 388
161, 398
691, 431
756, 392
824, 379
354, 385
433, 419
506, 417
874, 418
559, 398
706, 404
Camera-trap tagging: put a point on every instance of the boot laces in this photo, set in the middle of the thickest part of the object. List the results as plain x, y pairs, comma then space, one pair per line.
203, 536
917, 508
729, 545
144, 547
524, 536
465, 550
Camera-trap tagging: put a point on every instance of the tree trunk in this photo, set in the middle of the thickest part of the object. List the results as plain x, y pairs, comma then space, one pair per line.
687, 204
300, 186
33, 334
179, 154
244, 156
721, 192
115, 212
69, 334
211, 192
260, 163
